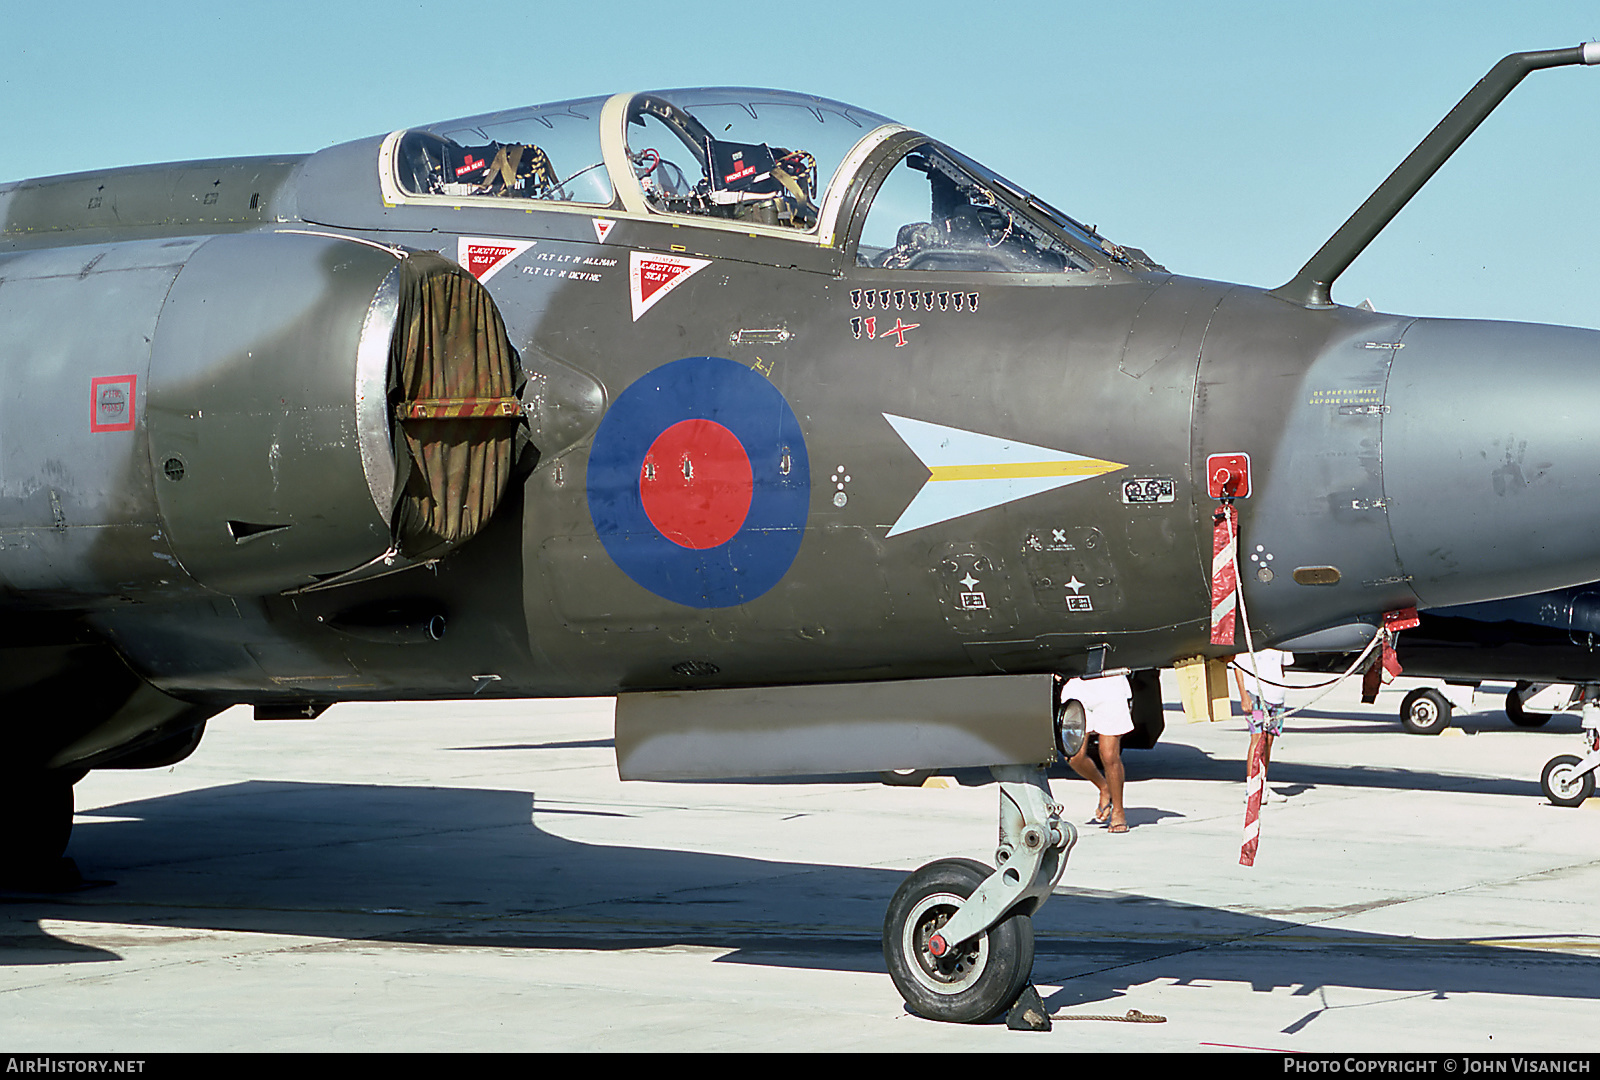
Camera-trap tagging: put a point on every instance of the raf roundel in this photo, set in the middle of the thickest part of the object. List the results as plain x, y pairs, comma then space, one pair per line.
699, 483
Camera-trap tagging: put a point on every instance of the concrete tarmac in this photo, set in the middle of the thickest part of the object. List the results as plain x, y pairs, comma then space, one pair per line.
473, 876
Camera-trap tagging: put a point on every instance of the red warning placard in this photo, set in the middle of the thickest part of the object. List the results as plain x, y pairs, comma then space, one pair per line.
1228, 475
651, 277
484, 257
111, 403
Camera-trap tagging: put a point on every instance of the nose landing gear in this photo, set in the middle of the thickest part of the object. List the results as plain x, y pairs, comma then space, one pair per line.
1568, 780
958, 937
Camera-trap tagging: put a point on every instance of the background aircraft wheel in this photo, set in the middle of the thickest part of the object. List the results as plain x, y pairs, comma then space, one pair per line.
973, 982
1425, 712
1517, 716
1561, 783
905, 777
35, 822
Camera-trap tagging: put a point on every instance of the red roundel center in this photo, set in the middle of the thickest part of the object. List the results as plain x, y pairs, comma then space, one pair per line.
696, 484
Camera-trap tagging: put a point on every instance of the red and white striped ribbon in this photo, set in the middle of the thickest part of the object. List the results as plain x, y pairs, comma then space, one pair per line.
1224, 574
1255, 788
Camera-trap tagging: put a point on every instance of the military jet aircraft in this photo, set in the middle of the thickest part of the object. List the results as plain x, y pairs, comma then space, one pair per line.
1533, 642
820, 444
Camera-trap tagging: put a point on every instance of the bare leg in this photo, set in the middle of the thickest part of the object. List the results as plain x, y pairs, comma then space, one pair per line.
1084, 766
1256, 739
1111, 758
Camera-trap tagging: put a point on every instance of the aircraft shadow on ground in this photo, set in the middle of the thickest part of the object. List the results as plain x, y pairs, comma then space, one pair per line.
449, 867
1373, 723
1175, 761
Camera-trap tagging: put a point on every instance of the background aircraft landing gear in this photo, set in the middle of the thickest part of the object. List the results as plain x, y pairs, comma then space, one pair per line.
1517, 714
1425, 712
1563, 784
35, 825
958, 937
1569, 780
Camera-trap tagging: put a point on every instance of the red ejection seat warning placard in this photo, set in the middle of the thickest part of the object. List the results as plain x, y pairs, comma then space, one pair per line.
651, 277
484, 257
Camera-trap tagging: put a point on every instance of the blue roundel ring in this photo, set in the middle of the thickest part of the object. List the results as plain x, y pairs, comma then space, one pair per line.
760, 553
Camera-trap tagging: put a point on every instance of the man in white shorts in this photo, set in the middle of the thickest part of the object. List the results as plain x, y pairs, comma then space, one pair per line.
1108, 714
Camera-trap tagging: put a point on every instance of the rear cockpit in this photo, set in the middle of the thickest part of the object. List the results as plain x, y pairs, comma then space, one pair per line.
549, 152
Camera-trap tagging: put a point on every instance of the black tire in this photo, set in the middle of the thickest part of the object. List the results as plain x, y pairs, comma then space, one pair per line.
35, 822
975, 981
905, 777
1560, 786
1425, 712
1515, 713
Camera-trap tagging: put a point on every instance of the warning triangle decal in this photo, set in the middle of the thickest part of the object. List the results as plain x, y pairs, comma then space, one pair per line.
651, 277
602, 228
483, 257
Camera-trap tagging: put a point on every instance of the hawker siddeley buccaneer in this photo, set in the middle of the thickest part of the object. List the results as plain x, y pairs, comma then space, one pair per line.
817, 442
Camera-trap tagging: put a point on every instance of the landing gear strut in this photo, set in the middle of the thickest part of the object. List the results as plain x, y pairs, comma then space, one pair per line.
958, 937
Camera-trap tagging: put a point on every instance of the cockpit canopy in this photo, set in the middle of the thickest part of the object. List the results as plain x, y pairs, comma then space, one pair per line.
514, 154
766, 161
746, 155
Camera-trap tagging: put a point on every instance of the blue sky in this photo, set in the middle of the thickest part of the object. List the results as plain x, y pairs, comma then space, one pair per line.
1228, 139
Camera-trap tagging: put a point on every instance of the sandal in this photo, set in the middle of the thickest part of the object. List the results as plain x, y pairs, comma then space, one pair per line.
1102, 814
1117, 827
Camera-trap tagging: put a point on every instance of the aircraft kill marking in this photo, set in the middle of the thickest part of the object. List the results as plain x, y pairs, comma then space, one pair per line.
918, 301
898, 331
969, 471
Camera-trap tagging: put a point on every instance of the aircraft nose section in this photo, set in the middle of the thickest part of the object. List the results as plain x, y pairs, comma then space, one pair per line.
1491, 448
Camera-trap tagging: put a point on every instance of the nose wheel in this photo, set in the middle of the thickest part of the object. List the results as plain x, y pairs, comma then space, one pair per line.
958, 937
1566, 782
1569, 780
974, 980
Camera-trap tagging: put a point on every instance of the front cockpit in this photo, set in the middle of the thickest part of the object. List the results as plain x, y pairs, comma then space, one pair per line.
754, 156
763, 162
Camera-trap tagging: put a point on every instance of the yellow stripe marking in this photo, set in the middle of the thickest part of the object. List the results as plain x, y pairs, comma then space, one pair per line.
1553, 944
1024, 470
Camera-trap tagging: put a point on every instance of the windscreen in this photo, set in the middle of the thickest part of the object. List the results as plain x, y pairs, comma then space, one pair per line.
940, 210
